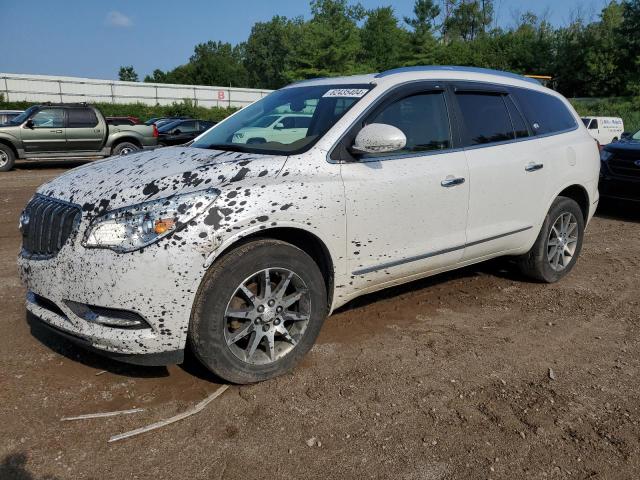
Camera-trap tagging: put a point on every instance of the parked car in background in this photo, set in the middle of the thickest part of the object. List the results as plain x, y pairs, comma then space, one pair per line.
242, 250
123, 120
65, 131
181, 131
274, 128
6, 115
157, 121
604, 129
620, 169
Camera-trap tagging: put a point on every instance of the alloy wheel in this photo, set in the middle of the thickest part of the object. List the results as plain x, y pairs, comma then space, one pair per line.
562, 241
267, 316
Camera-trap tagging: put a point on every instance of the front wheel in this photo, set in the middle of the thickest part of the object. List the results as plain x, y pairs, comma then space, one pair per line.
558, 244
7, 158
258, 311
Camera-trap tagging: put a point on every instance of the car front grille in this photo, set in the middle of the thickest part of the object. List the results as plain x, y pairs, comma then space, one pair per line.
625, 167
46, 225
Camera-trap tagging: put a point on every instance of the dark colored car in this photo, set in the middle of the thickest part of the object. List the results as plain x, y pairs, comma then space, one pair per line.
157, 121
181, 131
620, 169
7, 115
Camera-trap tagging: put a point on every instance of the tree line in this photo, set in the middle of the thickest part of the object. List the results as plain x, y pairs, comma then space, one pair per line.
585, 58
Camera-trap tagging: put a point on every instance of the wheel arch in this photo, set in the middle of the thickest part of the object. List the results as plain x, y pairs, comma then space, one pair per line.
125, 138
580, 195
10, 144
299, 237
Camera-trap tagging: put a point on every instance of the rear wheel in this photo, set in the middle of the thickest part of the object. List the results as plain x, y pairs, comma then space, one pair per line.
7, 158
558, 244
258, 311
125, 148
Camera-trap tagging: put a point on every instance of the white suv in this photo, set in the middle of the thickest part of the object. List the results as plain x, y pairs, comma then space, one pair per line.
242, 250
274, 128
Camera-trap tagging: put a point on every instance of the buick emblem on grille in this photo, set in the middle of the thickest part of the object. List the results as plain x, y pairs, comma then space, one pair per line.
24, 221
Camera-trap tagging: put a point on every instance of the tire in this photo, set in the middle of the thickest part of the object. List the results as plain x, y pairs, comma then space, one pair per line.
212, 331
125, 148
7, 158
543, 262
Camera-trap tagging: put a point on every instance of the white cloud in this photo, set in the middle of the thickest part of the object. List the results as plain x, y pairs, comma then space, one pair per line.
118, 19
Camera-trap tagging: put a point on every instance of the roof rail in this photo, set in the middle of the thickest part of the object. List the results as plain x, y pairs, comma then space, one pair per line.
451, 68
59, 104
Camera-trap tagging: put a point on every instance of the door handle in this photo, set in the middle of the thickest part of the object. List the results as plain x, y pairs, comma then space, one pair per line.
55, 131
452, 182
532, 167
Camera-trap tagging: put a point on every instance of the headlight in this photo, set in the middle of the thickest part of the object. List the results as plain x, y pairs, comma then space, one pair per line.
605, 155
131, 228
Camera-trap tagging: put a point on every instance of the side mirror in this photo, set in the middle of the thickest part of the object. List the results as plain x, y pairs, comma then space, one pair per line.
379, 138
29, 124
279, 126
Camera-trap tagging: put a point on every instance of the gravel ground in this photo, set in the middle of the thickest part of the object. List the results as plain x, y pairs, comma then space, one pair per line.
474, 374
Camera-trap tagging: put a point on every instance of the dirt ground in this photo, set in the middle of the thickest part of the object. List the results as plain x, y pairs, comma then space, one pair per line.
446, 378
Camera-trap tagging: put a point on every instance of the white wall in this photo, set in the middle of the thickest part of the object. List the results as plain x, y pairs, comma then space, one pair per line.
46, 88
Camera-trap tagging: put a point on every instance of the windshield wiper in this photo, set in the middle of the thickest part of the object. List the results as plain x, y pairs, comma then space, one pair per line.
230, 147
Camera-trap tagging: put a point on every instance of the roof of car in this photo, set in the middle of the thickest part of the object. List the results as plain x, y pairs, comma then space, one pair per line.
426, 72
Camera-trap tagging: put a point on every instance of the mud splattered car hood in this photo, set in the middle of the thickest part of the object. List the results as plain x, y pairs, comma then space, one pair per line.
126, 180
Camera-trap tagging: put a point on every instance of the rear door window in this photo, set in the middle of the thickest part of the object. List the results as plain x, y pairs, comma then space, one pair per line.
81, 118
545, 113
187, 127
519, 123
486, 118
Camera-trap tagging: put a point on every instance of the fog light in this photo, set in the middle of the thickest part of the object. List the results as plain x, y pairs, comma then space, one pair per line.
109, 317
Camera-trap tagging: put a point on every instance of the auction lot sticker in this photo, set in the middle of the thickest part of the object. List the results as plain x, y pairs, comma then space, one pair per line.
346, 92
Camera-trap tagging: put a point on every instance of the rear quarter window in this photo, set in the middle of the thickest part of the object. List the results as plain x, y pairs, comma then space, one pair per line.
545, 113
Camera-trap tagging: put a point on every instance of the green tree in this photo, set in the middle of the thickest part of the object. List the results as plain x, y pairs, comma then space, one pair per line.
269, 50
603, 59
218, 63
127, 74
383, 40
422, 42
469, 19
329, 43
630, 47
158, 76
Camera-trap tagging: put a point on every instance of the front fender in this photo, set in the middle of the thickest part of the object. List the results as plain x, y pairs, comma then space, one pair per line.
249, 229
10, 139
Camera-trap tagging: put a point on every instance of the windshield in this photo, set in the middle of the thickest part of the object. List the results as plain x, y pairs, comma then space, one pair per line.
306, 113
22, 117
263, 122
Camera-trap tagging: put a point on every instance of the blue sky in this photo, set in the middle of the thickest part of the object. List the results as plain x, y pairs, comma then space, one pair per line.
93, 38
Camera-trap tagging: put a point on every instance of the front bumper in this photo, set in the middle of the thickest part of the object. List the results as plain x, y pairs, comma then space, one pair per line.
158, 283
619, 188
